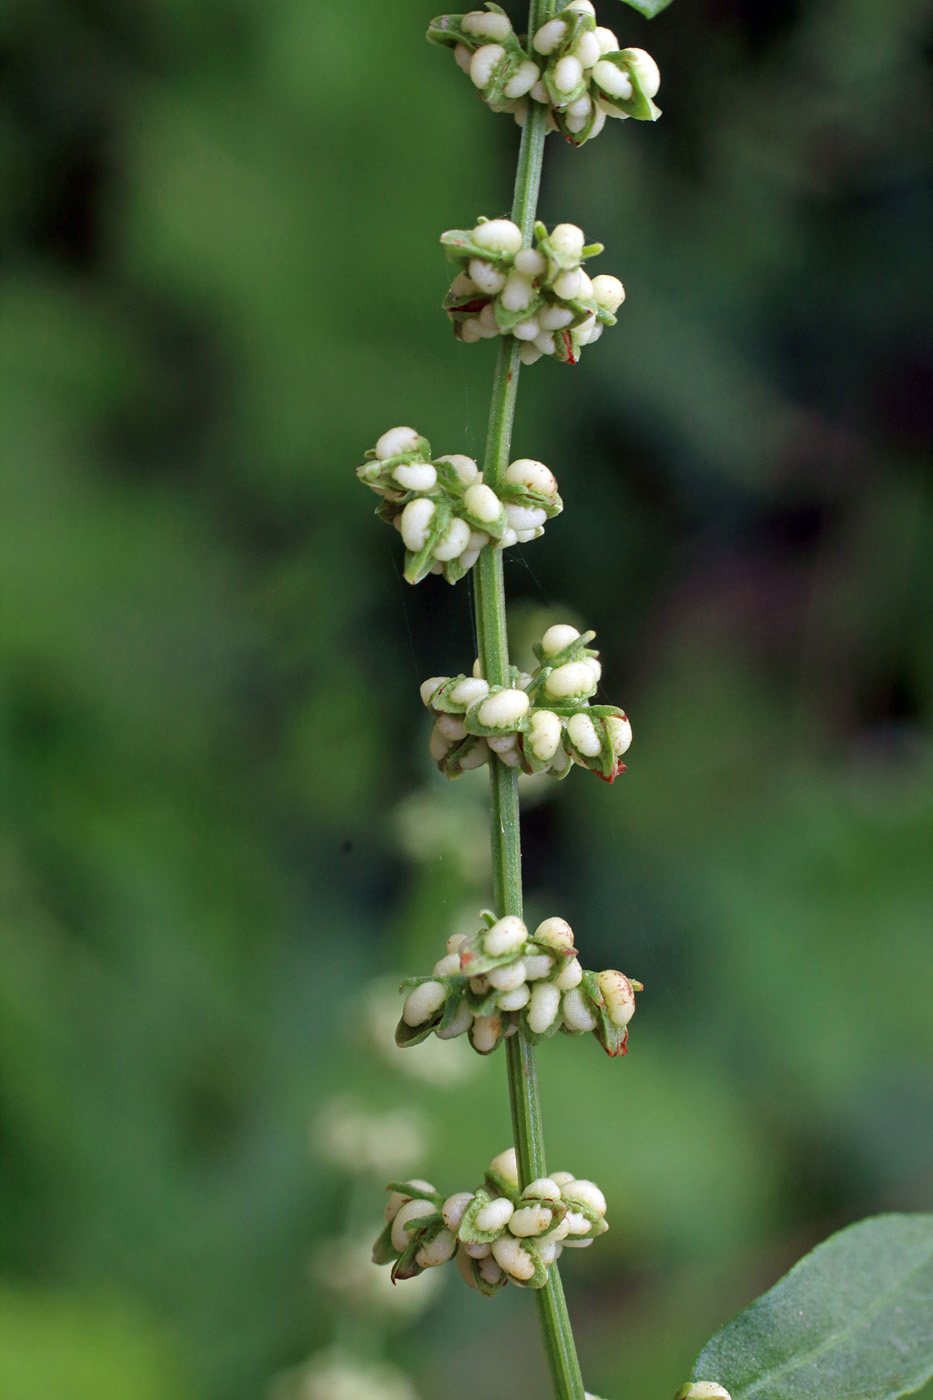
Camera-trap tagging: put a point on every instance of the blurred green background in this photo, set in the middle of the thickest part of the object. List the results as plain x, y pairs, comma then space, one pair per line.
221, 283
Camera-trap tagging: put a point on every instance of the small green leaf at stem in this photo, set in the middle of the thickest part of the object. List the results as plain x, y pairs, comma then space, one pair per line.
648, 8
851, 1319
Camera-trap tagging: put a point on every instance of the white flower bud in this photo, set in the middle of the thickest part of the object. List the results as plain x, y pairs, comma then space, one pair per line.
422, 1003
555, 933
479, 985
482, 502
577, 1015
478, 541
452, 727
595, 666
609, 292
494, 1216
587, 49
464, 466
567, 239
506, 1164
469, 690
703, 1390
544, 734
484, 63
429, 686
456, 941
498, 235
620, 733
538, 965
490, 1269
436, 1251
477, 669
448, 965
562, 1177
484, 25
462, 1021
549, 36
398, 1199
504, 709
568, 75
570, 977
508, 977
396, 441
572, 679
645, 69
525, 471
578, 114
577, 1222
438, 744
522, 518
416, 476
582, 734
567, 285
548, 1252
527, 330
529, 354
485, 1033
612, 80
488, 278
471, 331
523, 80
608, 43
454, 1207
586, 289
599, 121
514, 1000
554, 318
453, 541
512, 1258
529, 261
518, 292
543, 1008
463, 57
588, 1194
416, 521
411, 1210
578, 1244
583, 7
476, 757
507, 935
529, 1221
619, 996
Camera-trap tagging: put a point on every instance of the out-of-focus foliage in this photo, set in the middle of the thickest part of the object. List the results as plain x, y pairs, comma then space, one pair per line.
221, 280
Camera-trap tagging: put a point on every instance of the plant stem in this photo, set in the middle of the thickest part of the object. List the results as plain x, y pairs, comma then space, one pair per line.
505, 839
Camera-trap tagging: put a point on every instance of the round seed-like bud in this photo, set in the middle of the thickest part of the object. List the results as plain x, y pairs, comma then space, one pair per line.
620, 733
522, 80
548, 1252
475, 758
544, 731
582, 733
568, 75
577, 1015
494, 1216
568, 284
452, 727
415, 476
504, 709
526, 330
484, 63
529, 261
555, 932
518, 292
484, 25
464, 466
703, 1390
488, 279
608, 43
537, 966
506, 1164
456, 941
453, 541
485, 1033
453, 1208
525, 471
583, 7
428, 688
609, 292
422, 1002
512, 1259
438, 745
645, 69
437, 1250
554, 318
619, 996
570, 977
562, 1177
411, 1210
543, 1188
498, 235
567, 239
481, 500
508, 977
469, 690
578, 1223
462, 1021
612, 80
523, 518
416, 521
549, 36
448, 966
529, 1221
573, 679
587, 1192
398, 1199
514, 1000
558, 637
587, 49
506, 936
396, 441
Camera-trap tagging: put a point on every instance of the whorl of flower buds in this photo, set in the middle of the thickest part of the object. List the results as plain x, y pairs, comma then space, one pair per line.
503, 980
445, 512
498, 1232
540, 295
572, 66
541, 723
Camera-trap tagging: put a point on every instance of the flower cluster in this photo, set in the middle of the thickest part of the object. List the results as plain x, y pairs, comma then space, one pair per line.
443, 509
573, 66
542, 722
502, 980
498, 1233
540, 295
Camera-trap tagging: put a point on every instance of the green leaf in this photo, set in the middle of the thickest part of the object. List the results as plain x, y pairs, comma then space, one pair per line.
850, 1321
648, 8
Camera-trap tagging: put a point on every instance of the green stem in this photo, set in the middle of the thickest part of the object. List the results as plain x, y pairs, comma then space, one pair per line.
505, 839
